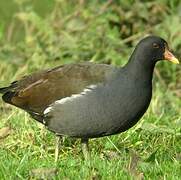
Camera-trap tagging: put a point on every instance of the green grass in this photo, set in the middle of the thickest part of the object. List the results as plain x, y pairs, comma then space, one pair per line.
103, 32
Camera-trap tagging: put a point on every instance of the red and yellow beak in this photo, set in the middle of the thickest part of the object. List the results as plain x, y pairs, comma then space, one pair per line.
170, 57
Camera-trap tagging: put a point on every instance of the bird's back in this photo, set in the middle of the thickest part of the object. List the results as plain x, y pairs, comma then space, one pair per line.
34, 93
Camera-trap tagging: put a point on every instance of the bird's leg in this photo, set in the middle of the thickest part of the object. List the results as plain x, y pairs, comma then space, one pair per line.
57, 147
85, 149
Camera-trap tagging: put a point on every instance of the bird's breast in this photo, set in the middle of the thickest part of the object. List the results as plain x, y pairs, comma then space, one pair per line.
125, 106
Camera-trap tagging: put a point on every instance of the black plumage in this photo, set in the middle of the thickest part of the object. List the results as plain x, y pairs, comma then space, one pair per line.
89, 100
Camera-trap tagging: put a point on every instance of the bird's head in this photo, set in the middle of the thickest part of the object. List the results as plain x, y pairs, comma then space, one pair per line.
154, 48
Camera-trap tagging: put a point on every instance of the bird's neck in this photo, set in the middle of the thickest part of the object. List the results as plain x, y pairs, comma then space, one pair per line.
141, 68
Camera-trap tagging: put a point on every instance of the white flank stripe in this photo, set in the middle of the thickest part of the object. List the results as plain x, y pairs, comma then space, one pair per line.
47, 110
71, 98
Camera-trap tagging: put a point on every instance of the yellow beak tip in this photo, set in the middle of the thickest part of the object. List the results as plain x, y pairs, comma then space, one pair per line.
175, 61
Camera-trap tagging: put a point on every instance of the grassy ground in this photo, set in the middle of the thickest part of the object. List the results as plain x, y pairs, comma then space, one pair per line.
33, 37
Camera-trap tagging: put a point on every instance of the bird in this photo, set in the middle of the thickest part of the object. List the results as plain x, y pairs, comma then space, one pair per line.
88, 100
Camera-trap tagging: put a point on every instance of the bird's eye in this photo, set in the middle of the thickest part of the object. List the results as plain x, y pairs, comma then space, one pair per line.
155, 45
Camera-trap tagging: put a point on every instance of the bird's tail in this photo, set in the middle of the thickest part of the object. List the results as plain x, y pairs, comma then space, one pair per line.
4, 90
7, 93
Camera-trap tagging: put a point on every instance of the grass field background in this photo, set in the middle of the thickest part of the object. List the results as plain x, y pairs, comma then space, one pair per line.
43, 34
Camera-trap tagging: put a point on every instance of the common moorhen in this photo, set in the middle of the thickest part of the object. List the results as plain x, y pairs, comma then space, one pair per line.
88, 100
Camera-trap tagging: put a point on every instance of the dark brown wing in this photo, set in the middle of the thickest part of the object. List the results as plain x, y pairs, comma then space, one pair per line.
35, 92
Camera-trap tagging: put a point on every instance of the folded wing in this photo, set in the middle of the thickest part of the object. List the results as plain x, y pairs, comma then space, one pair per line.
34, 93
